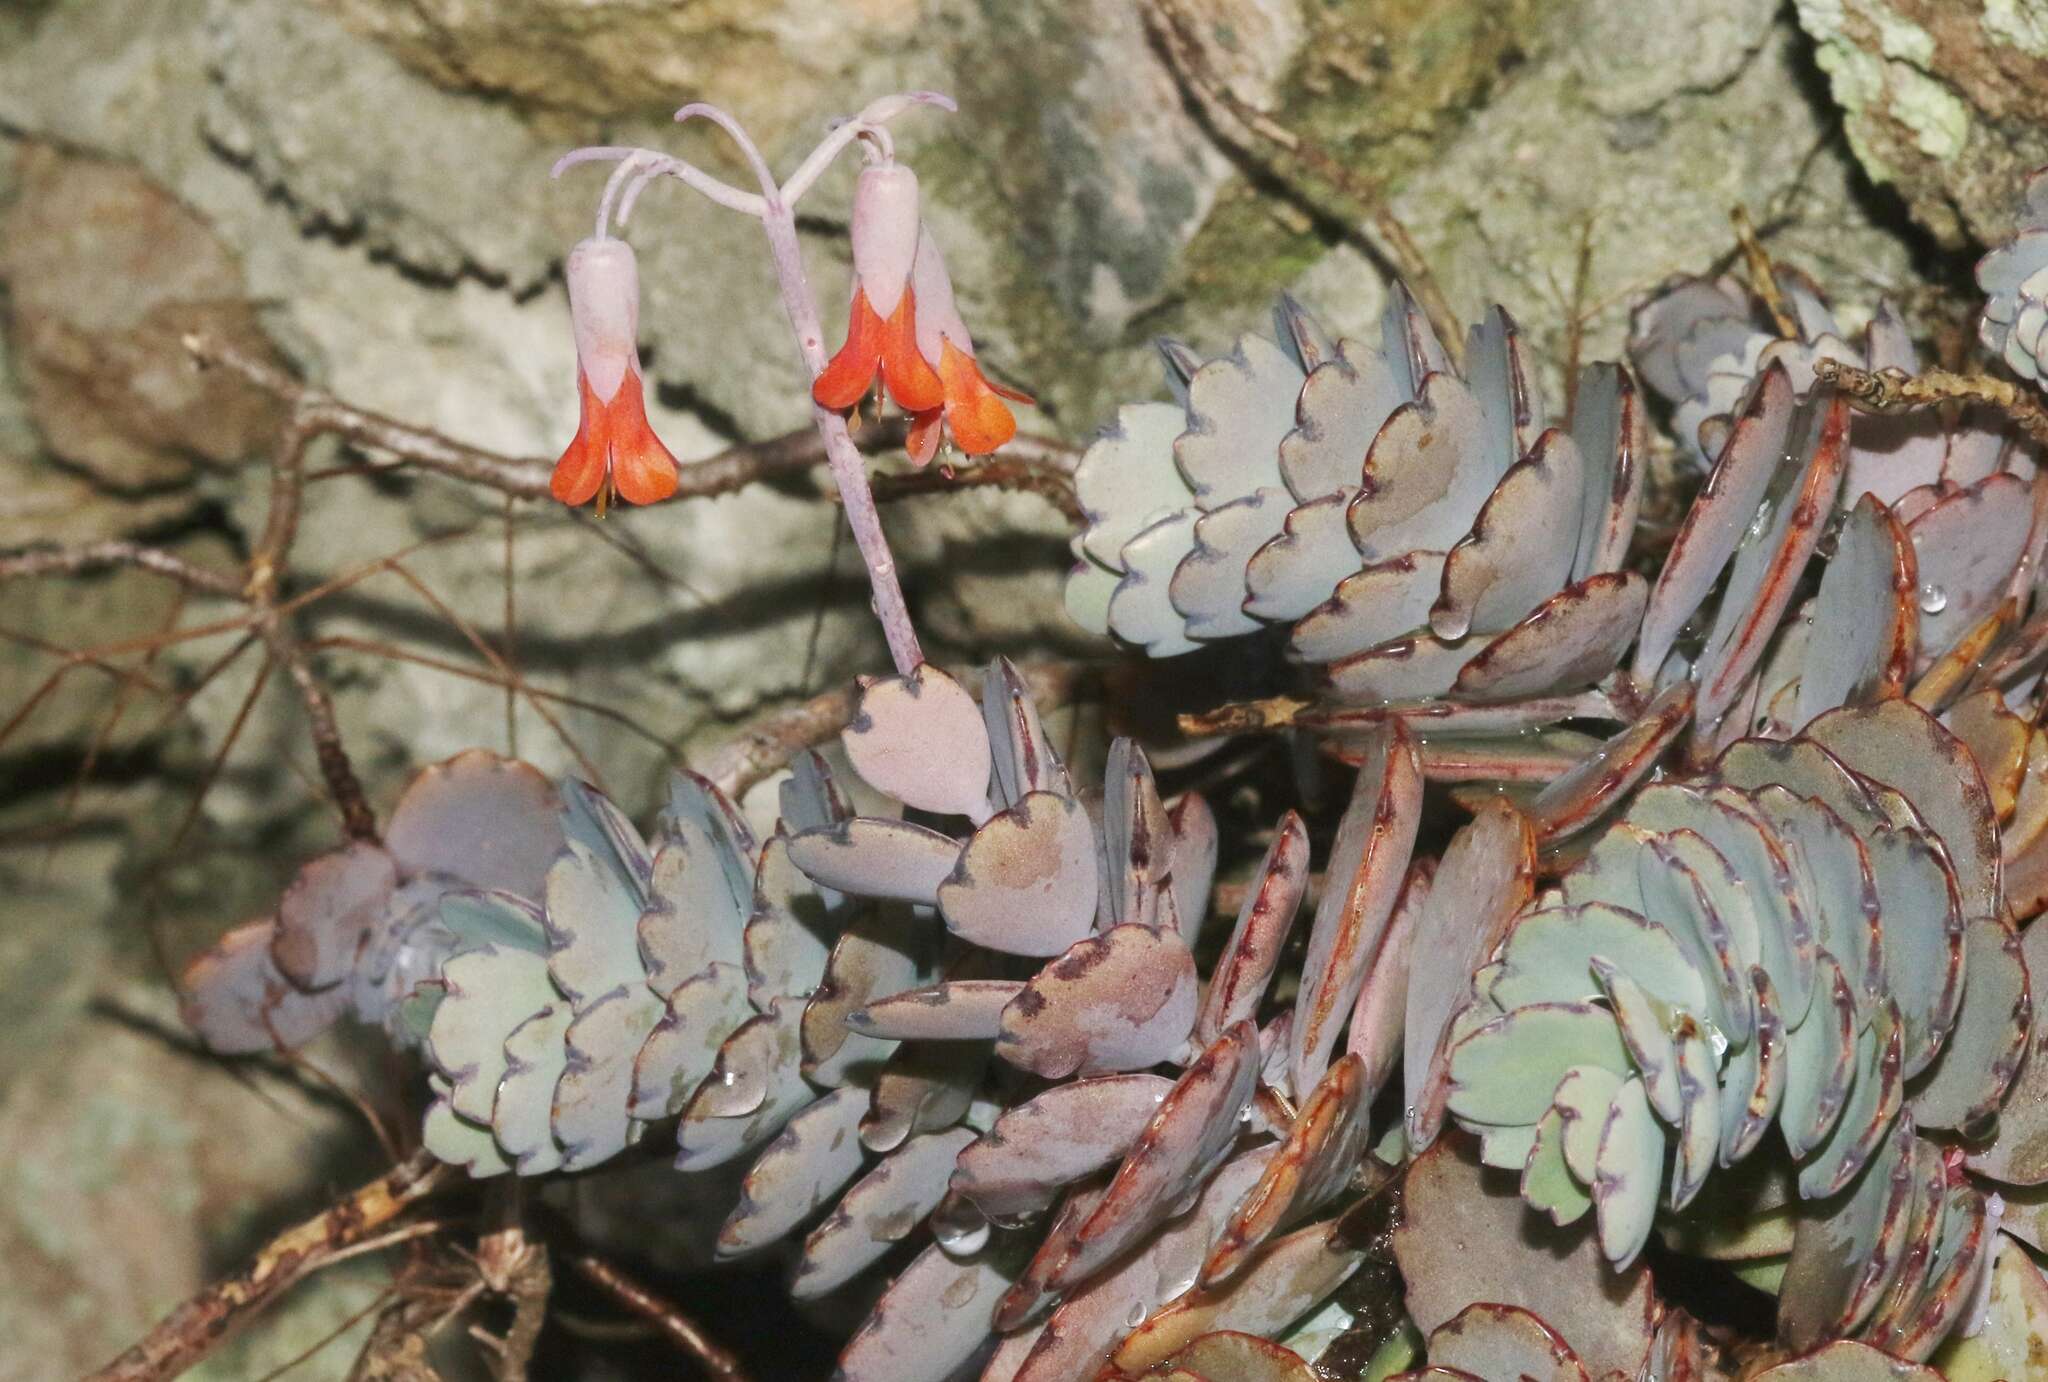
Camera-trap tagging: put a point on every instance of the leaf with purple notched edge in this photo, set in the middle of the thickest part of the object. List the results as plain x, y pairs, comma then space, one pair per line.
1059, 1136
1847, 1252
1967, 1083
702, 1012
881, 1209
331, 902
1245, 966
490, 822
1571, 640
1121, 1000
810, 1161
1489, 1340
1025, 883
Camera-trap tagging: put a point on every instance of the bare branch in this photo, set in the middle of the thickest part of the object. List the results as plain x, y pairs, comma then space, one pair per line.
193, 1330
95, 556
1025, 474
678, 1328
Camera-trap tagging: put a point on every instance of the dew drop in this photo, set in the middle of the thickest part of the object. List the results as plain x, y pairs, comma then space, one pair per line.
1933, 599
957, 1295
1135, 1316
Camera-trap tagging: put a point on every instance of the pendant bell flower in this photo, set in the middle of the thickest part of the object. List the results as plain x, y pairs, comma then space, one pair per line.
615, 450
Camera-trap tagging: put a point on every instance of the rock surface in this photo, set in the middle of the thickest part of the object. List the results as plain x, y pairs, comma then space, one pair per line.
359, 187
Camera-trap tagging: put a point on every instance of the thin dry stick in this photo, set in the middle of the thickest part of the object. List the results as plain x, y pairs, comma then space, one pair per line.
193, 1330
1884, 391
1021, 473
1174, 29
1763, 276
678, 1328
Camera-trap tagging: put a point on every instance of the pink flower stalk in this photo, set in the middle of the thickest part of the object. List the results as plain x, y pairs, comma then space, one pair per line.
615, 451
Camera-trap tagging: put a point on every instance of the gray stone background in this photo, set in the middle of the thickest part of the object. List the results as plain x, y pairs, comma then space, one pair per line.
358, 189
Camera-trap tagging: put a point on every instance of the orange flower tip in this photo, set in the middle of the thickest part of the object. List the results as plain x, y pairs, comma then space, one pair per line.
847, 376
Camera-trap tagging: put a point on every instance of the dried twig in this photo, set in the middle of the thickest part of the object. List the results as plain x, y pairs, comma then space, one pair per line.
1763, 276
1883, 391
1174, 29
193, 1330
1028, 474
678, 1328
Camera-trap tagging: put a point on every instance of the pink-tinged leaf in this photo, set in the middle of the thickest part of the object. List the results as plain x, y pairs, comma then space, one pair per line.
924, 1086
1898, 744
956, 1010
1719, 517
1997, 740
1121, 1000
1422, 486
1245, 966
884, 951
1194, 1126
1343, 404
1521, 546
1416, 667
1192, 868
1534, 758
1087, 1325
331, 904
1314, 1162
491, 822
1383, 601
1572, 640
1613, 437
1380, 1016
1242, 1357
1767, 567
1137, 838
870, 856
1968, 1082
1025, 884
695, 916
755, 1086
1025, 759
1968, 546
1465, 1236
882, 1208
920, 738
1297, 568
1489, 1340
238, 1001
1060, 1136
1574, 801
1867, 622
591, 1117
1240, 407
1846, 1256
702, 1012
1846, 1360
1282, 1284
2017, 1153
1208, 586
1487, 873
810, 1161
1368, 863
931, 1320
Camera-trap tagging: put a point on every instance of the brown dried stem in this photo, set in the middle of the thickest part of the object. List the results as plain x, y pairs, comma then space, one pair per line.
193, 1330
1763, 275
678, 1328
1174, 29
1884, 391
1011, 471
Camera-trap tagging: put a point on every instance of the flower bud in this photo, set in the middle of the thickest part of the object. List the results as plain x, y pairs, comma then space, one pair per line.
604, 306
885, 222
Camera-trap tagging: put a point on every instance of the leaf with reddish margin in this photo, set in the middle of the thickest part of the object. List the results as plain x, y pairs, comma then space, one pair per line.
1490, 1340
491, 822
1368, 864
1121, 1000
1193, 1127
1521, 546
1380, 1016
1866, 623
330, 904
1057, 1137
1026, 882
872, 856
1570, 803
882, 1208
1245, 966
932, 1319
1570, 641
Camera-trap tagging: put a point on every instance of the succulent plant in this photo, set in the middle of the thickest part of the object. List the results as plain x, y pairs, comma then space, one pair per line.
2015, 290
1419, 532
